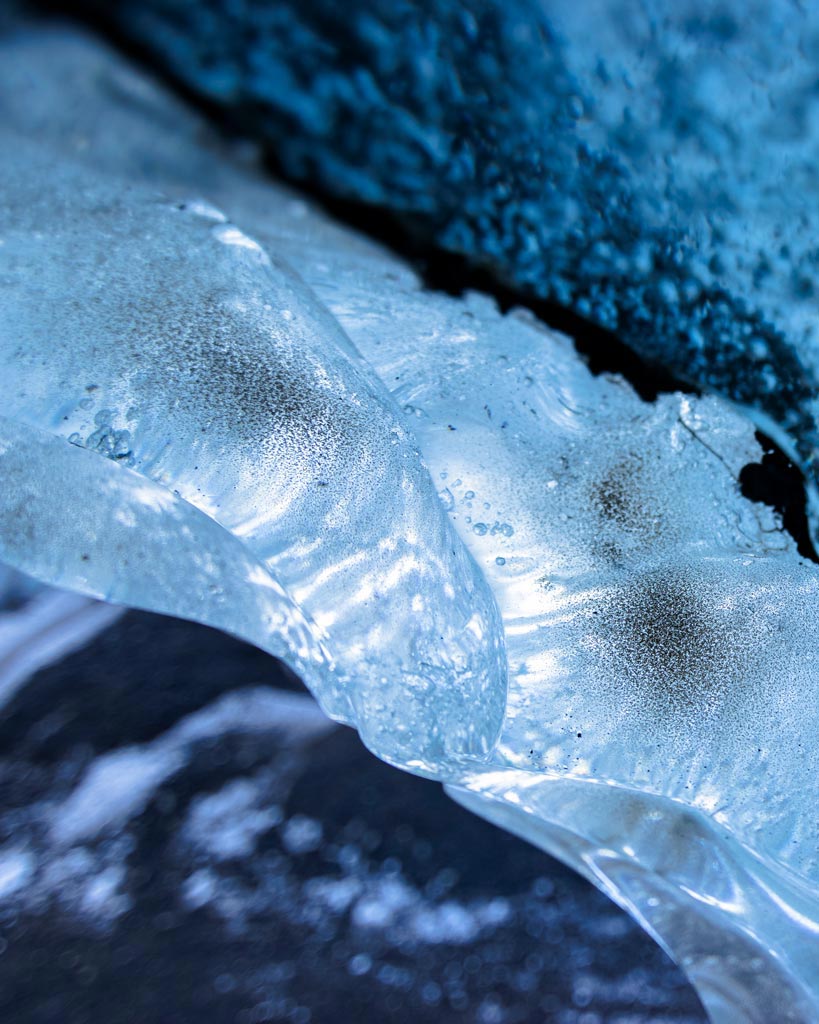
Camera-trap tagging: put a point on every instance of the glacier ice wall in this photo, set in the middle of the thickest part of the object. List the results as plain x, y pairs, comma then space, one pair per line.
230, 428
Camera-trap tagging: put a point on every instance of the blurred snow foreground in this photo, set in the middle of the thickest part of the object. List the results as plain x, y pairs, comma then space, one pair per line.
506, 573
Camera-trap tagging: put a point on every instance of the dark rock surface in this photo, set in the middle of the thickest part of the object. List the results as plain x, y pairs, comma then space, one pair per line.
269, 867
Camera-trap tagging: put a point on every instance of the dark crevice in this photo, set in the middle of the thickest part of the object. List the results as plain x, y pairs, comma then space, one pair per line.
454, 274
775, 481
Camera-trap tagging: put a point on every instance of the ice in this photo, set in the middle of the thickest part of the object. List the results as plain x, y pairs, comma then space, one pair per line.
16, 868
220, 404
661, 153
74, 842
244, 436
228, 823
118, 785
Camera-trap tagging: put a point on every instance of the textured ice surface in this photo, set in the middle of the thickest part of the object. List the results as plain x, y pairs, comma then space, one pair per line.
231, 412
650, 166
194, 417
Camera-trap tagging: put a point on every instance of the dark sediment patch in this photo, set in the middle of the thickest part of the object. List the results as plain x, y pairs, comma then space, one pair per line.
677, 649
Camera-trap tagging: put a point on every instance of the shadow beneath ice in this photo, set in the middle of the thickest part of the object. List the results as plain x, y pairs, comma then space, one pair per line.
272, 870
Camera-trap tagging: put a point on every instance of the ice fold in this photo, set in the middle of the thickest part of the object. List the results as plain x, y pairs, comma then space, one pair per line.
161, 337
227, 421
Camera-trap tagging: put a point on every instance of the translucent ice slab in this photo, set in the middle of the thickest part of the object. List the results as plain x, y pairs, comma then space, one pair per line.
162, 338
229, 428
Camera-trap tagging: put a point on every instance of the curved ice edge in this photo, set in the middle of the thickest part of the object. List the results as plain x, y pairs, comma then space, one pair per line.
637, 871
124, 536
130, 504
702, 894
701, 930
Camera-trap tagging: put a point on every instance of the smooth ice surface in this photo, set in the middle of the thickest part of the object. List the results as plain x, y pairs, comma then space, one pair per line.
188, 407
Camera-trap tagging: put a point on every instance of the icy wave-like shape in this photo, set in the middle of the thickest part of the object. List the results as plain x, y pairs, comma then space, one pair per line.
228, 428
219, 391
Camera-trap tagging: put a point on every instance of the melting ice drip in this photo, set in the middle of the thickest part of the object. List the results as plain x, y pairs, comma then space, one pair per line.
230, 429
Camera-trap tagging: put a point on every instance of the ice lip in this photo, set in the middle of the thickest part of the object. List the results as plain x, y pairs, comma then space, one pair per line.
85, 524
163, 338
